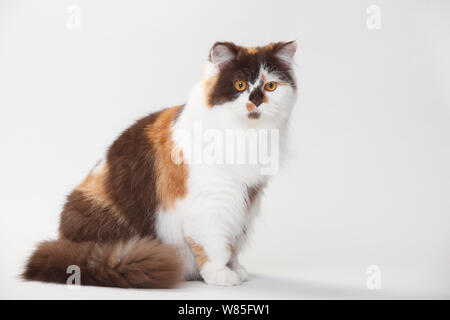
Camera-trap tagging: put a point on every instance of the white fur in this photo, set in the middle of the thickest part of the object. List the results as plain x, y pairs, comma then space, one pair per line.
214, 212
287, 52
220, 54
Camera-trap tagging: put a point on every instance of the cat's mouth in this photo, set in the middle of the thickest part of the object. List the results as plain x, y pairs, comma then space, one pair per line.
254, 115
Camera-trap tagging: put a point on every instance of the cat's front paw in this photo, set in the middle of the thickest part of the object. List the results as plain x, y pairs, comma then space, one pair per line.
223, 276
241, 272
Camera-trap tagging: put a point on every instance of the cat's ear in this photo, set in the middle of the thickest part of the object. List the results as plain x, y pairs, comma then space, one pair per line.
222, 53
285, 51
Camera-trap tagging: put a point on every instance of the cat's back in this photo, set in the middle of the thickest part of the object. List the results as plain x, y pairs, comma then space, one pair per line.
121, 195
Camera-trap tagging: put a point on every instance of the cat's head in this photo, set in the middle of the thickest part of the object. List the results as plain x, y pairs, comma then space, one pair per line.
253, 83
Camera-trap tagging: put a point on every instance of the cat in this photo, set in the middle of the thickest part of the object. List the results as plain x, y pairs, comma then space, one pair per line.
141, 219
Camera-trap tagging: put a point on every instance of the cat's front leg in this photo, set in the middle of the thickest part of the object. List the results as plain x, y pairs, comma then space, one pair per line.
252, 211
213, 260
208, 235
238, 268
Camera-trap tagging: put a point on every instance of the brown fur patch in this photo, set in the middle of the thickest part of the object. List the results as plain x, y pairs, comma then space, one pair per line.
208, 86
170, 177
233, 254
94, 186
254, 115
252, 193
84, 219
94, 189
135, 263
199, 253
251, 50
131, 181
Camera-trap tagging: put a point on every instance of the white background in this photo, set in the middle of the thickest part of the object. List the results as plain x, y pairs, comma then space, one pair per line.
368, 180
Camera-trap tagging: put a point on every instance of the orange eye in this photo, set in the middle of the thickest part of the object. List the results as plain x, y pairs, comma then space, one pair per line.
270, 86
240, 85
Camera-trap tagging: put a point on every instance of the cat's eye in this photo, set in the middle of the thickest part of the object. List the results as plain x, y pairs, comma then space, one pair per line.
240, 85
270, 86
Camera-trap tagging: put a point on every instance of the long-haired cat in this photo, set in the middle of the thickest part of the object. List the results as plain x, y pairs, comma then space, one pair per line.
141, 219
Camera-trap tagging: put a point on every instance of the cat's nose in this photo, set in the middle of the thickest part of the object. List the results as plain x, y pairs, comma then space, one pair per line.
256, 97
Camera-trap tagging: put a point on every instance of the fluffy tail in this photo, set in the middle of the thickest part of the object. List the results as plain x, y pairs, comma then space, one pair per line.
135, 263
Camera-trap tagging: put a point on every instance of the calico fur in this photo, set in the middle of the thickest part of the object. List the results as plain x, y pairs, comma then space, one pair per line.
141, 220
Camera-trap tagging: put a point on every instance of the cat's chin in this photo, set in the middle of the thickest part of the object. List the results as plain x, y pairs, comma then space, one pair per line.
254, 115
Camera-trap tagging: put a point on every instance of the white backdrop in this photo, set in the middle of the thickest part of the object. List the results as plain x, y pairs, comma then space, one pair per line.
368, 180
